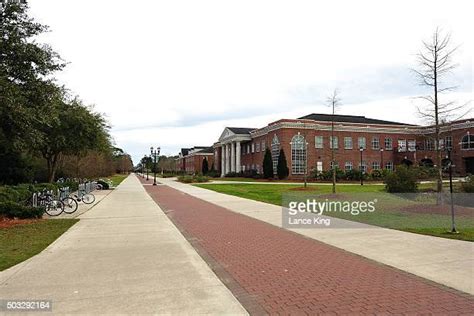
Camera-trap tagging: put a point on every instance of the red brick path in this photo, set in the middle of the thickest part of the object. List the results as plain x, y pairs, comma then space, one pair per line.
287, 273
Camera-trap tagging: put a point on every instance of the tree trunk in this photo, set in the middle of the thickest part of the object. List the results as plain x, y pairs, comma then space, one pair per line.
52, 167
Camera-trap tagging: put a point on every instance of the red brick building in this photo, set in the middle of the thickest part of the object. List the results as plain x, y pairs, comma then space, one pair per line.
190, 160
307, 144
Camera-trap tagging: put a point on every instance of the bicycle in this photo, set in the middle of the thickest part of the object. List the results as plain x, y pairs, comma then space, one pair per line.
70, 204
87, 198
52, 206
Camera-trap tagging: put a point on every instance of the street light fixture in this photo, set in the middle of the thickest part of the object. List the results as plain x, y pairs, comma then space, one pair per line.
361, 149
381, 159
154, 154
450, 170
146, 166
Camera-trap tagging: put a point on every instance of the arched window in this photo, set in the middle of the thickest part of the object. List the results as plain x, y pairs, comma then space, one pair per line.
467, 142
275, 152
298, 154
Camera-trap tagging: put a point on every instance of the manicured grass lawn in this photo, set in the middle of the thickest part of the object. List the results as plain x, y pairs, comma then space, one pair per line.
392, 211
273, 193
117, 179
20, 242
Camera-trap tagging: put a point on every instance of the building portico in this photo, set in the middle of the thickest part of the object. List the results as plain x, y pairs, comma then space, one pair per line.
230, 144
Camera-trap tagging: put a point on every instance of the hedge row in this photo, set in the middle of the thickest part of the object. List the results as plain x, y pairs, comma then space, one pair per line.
14, 210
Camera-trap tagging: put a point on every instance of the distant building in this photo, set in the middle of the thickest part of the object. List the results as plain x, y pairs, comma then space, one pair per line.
307, 145
190, 160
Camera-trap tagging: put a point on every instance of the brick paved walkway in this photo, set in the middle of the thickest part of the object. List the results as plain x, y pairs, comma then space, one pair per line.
283, 272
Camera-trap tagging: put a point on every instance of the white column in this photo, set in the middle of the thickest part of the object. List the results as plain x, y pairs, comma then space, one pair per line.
237, 157
232, 157
227, 158
222, 160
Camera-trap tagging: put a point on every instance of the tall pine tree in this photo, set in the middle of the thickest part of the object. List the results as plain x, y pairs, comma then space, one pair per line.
267, 164
282, 167
205, 166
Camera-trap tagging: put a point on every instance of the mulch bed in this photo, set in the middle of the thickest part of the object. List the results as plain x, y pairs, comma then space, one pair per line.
10, 222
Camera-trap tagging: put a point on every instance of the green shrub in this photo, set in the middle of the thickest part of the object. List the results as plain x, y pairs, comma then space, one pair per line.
468, 186
376, 174
403, 179
14, 210
105, 185
200, 179
193, 179
232, 174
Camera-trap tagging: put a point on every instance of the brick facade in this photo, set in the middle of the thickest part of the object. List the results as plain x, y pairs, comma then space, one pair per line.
409, 144
190, 160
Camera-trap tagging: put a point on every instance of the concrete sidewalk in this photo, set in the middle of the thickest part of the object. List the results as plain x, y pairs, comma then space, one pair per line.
124, 256
445, 261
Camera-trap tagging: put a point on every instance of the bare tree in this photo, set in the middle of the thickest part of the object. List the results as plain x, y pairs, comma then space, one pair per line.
333, 101
435, 62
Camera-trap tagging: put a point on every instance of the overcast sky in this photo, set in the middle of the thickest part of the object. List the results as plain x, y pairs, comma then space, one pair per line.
175, 73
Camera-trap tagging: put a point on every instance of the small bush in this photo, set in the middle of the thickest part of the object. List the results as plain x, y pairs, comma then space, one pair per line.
105, 185
232, 174
376, 174
193, 179
468, 186
14, 210
403, 179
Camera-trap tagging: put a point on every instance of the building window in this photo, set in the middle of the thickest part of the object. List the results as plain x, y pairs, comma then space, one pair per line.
257, 147
348, 166
298, 154
412, 145
253, 167
429, 144
248, 148
388, 144
449, 142
263, 145
402, 145
363, 167
318, 142
389, 165
333, 142
375, 143
275, 152
347, 142
334, 164
375, 165
362, 143
467, 142
253, 148
258, 168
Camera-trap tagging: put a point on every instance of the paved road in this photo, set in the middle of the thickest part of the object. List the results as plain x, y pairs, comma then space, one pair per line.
124, 256
285, 272
445, 261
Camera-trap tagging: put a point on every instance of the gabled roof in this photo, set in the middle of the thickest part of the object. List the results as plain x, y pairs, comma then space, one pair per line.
241, 130
348, 119
185, 151
207, 150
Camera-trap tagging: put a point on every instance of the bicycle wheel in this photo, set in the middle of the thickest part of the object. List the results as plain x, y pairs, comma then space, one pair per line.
54, 207
88, 198
70, 205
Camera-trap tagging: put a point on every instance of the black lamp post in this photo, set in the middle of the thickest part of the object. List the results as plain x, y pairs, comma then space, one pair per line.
450, 171
361, 149
381, 159
146, 166
154, 154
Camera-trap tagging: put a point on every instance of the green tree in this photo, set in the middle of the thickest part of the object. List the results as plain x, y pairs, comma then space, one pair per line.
205, 166
73, 129
282, 167
267, 164
25, 70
